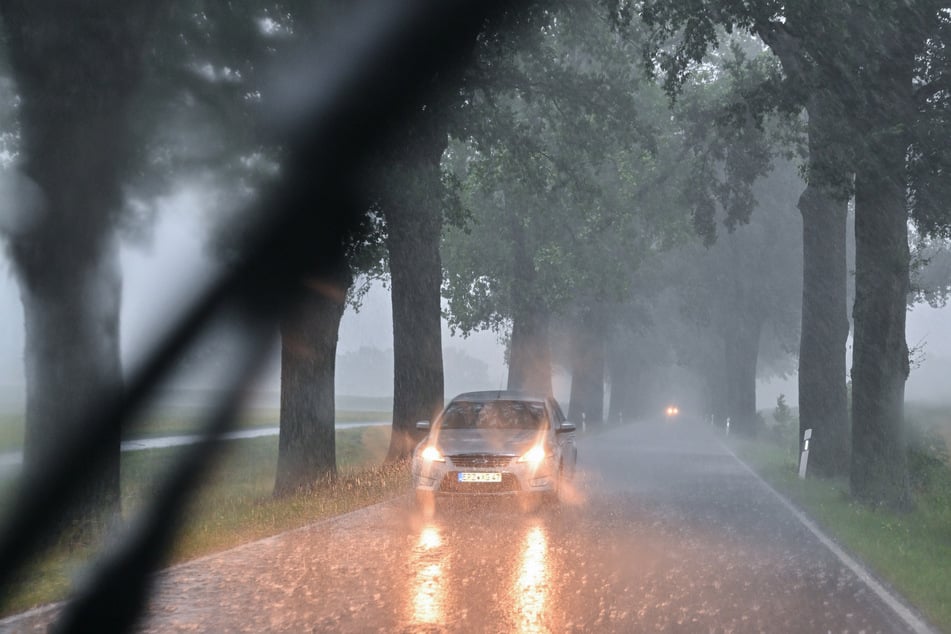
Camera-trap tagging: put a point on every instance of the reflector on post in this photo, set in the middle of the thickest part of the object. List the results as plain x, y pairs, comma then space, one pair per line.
804, 456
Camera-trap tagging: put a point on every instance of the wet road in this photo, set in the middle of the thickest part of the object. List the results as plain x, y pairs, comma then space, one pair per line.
662, 530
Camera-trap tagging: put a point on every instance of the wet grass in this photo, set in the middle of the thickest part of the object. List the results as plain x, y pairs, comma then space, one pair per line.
234, 505
910, 552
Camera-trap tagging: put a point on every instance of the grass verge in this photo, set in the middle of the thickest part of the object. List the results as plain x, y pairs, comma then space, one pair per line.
911, 552
233, 505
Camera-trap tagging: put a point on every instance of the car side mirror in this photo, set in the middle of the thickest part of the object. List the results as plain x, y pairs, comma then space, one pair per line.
566, 426
423, 425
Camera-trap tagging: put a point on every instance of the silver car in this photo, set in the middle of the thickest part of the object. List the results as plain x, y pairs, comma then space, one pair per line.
495, 443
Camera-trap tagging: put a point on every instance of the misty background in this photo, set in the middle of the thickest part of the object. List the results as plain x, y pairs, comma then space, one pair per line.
167, 265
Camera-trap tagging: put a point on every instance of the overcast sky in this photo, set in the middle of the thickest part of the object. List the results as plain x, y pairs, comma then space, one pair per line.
170, 269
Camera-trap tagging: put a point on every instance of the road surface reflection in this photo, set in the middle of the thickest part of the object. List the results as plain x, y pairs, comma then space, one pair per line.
510, 548
429, 592
532, 582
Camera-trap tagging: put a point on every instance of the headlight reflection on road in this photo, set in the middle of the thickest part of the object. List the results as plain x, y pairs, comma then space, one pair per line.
531, 585
429, 593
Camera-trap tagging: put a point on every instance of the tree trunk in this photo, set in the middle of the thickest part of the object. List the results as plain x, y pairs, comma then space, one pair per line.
587, 370
741, 351
879, 473
880, 354
414, 228
307, 441
529, 352
620, 406
529, 348
76, 66
71, 317
823, 405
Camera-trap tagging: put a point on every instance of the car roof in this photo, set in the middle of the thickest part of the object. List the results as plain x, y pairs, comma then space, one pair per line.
498, 395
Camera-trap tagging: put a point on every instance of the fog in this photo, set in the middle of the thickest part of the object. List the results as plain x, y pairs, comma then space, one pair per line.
169, 265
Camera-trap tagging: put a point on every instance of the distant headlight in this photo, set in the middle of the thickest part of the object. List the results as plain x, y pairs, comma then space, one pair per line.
432, 454
534, 455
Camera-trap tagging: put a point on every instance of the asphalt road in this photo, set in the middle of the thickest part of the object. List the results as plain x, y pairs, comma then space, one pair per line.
663, 530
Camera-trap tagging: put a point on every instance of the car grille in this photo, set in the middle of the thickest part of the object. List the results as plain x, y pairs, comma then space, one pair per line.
480, 461
451, 484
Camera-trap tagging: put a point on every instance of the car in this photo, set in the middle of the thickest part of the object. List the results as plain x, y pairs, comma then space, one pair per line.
496, 443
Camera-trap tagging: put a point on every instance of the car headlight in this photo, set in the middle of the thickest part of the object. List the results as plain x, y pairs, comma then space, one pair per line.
431, 454
534, 455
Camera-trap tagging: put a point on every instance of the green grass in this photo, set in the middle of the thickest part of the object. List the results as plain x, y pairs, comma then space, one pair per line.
911, 552
234, 505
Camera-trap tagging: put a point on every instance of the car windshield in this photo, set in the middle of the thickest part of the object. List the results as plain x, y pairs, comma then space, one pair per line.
600, 271
495, 415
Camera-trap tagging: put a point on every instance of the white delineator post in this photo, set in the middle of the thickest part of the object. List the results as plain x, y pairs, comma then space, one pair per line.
804, 456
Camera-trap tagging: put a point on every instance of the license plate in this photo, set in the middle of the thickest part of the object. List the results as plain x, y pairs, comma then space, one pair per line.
480, 477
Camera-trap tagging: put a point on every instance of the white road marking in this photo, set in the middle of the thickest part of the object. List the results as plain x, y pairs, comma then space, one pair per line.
913, 621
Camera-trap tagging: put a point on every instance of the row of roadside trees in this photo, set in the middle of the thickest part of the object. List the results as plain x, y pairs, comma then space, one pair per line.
553, 188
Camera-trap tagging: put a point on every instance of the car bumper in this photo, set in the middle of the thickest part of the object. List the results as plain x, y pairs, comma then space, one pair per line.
514, 478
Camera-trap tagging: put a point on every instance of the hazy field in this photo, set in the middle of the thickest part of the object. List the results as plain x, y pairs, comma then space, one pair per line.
180, 413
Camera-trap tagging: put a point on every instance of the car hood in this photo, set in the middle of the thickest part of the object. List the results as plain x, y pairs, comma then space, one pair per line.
501, 441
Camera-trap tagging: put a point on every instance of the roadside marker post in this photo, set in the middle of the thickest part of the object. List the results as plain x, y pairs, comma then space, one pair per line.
804, 456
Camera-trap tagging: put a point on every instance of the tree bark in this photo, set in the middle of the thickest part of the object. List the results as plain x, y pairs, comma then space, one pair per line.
879, 474
823, 403
414, 229
880, 353
307, 441
76, 66
587, 370
529, 352
529, 348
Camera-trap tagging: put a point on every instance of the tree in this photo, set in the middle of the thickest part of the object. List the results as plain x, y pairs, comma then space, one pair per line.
879, 473
793, 36
930, 271
307, 440
214, 62
736, 293
872, 77
412, 201
562, 177
77, 68
897, 92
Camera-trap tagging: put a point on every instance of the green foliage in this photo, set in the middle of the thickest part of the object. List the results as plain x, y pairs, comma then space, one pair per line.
782, 414
930, 270
827, 49
929, 464
569, 170
205, 117
730, 139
